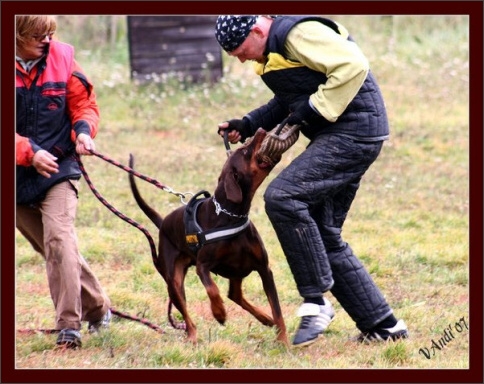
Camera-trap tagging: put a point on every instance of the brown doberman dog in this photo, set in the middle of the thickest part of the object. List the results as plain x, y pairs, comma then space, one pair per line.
215, 235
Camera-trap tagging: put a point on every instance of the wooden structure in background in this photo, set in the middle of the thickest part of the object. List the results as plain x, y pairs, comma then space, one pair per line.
184, 46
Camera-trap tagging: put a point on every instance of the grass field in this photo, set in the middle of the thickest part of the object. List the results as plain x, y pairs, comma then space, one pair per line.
409, 223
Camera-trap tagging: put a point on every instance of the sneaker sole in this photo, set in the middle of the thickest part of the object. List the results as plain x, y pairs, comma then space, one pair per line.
68, 340
309, 342
68, 345
306, 343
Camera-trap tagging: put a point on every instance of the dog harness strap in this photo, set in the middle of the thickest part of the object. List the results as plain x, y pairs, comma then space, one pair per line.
192, 228
195, 236
216, 234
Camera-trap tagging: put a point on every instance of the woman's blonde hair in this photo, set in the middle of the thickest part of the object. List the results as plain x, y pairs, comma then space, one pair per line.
29, 25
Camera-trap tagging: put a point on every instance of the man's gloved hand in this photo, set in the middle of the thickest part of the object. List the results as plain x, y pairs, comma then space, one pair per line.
304, 114
277, 142
242, 126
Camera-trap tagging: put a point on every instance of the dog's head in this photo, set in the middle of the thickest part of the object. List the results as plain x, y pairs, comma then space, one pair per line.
243, 172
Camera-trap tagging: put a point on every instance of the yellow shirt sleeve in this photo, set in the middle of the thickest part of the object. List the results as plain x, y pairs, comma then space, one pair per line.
318, 47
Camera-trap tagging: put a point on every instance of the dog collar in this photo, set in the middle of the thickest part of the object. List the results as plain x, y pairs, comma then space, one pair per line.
218, 209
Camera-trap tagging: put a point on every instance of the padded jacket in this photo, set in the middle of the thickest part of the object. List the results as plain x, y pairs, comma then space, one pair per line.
292, 82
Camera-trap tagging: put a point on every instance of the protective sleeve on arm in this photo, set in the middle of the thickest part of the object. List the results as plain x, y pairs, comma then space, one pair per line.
82, 104
267, 116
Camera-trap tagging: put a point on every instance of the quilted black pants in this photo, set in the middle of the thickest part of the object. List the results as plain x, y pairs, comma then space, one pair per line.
307, 204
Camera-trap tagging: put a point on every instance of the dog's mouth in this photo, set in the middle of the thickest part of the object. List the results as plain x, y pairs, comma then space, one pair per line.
265, 164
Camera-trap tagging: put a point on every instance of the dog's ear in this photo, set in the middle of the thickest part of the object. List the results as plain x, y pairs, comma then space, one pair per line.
232, 188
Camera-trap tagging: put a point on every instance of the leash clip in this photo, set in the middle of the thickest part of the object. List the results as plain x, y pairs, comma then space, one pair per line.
181, 195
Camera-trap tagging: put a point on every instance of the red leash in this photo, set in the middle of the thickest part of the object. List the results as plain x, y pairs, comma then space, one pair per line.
123, 315
129, 221
156, 183
150, 180
117, 212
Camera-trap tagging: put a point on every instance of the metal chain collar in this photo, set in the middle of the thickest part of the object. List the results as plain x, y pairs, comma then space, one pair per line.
218, 209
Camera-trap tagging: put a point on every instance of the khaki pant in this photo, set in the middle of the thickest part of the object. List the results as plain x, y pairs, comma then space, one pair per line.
75, 291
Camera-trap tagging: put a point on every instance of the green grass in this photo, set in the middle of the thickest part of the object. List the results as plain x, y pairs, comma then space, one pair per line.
409, 223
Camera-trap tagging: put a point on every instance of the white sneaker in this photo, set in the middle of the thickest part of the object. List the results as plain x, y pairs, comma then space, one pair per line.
315, 319
398, 331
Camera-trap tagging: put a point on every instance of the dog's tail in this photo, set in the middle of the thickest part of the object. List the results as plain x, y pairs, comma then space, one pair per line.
148, 211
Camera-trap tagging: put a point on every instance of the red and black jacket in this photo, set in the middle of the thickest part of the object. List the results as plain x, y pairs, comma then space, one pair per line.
55, 102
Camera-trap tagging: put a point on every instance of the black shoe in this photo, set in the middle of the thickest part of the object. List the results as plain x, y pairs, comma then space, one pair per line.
314, 321
399, 331
95, 326
69, 338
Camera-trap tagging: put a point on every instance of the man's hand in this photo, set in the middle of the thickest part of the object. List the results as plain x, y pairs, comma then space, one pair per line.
238, 130
84, 143
45, 163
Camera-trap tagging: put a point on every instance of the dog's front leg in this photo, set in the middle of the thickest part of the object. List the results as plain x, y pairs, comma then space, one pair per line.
216, 302
236, 295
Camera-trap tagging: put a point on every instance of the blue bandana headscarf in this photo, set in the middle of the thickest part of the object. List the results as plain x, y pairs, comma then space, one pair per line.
232, 30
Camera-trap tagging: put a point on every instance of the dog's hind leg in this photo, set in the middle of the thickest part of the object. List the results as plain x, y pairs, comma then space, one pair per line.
176, 290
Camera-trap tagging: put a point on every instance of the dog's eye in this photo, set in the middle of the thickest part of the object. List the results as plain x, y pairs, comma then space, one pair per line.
235, 173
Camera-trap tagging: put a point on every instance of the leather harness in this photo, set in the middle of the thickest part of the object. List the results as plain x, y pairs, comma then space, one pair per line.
195, 236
